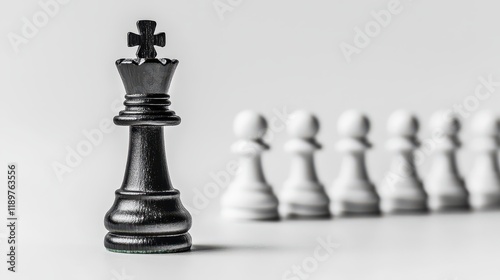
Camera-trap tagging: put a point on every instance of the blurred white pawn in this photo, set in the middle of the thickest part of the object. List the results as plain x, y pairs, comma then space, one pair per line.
483, 181
352, 192
303, 195
445, 187
402, 190
249, 197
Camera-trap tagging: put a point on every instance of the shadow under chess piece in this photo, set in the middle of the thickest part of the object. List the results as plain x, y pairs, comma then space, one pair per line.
303, 196
483, 182
352, 193
147, 215
401, 189
249, 196
445, 187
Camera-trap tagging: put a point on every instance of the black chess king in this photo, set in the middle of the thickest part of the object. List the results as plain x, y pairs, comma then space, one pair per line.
147, 215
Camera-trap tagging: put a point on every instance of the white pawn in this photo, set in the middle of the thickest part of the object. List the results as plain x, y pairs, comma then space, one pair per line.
303, 195
444, 185
352, 192
483, 181
402, 190
249, 196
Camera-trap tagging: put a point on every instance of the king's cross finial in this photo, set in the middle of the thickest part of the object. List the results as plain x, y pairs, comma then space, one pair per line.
146, 40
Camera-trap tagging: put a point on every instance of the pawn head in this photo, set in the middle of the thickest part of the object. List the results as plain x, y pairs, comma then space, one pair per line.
249, 125
353, 124
302, 124
485, 123
446, 122
402, 123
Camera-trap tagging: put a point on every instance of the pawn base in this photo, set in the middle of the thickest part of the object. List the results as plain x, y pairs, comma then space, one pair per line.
357, 199
484, 201
249, 201
304, 200
250, 214
403, 206
344, 208
298, 211
448, 203
150, 244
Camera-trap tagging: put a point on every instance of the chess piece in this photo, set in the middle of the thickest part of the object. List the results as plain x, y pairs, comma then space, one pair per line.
303, 196
402, 190
483, 181
352, 192
445, 187
147, 215
249, 196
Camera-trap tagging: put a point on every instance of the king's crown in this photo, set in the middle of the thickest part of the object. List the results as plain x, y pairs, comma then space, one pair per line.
146, 80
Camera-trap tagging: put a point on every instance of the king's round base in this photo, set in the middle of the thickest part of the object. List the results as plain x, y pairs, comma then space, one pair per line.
158, 244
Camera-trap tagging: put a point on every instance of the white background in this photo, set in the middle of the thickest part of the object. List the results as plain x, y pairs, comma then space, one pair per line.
263, 55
